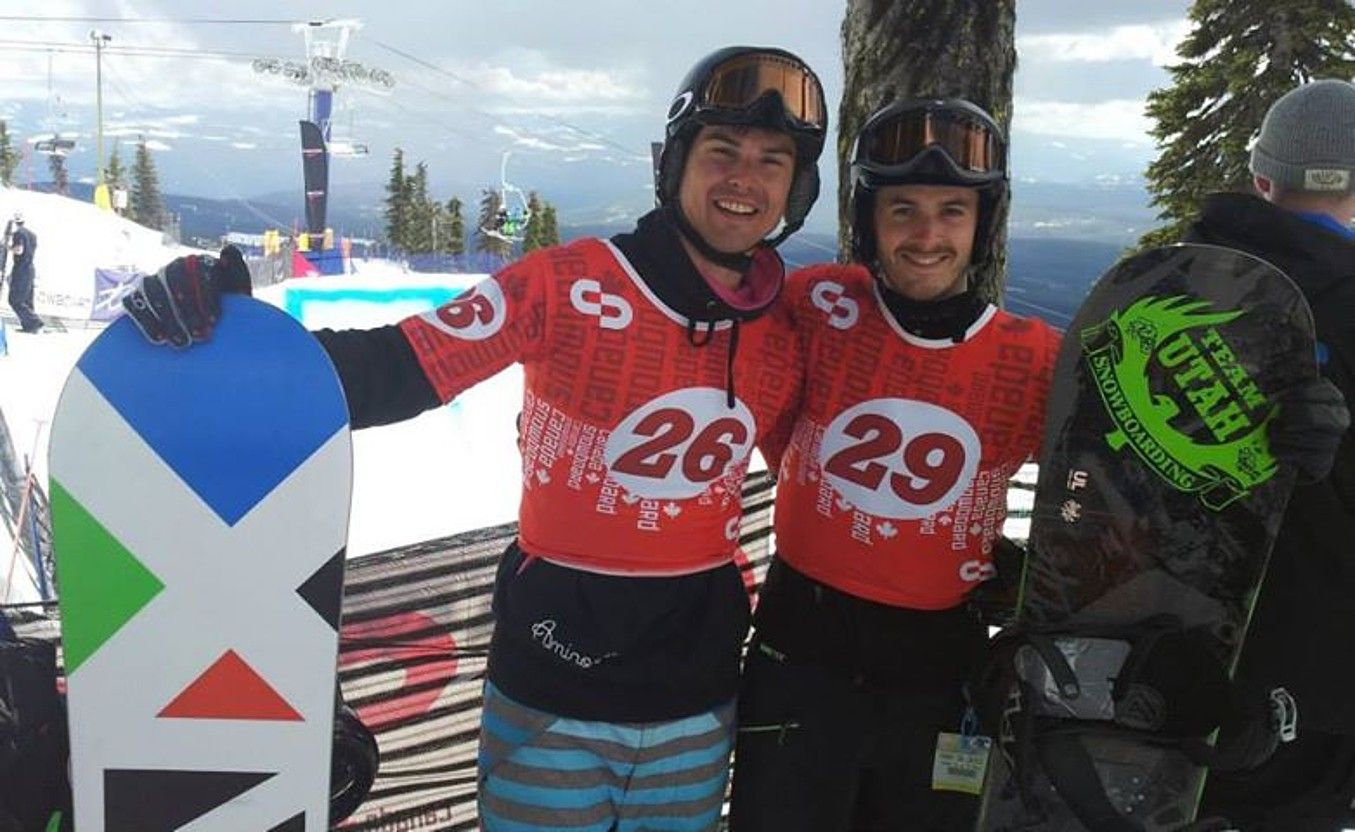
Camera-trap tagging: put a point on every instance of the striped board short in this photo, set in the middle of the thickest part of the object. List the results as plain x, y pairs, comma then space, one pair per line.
539, 771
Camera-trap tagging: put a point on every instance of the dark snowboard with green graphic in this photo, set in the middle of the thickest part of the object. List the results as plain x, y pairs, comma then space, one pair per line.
1158, 501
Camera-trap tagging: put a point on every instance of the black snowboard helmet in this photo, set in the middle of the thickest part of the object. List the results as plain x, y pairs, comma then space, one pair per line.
927, 142
749, 86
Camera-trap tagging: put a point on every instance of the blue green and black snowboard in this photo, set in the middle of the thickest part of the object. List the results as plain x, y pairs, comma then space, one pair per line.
1157, 505
200, 510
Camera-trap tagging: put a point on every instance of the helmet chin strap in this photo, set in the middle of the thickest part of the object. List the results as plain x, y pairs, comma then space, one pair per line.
739, 262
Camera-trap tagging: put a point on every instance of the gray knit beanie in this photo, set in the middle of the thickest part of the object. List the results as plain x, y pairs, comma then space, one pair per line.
1307, 140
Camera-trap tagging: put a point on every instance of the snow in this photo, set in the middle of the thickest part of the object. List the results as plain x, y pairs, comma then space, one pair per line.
450, 470
74, 239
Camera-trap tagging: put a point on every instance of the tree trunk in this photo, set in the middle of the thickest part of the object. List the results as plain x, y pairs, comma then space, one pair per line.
900, 49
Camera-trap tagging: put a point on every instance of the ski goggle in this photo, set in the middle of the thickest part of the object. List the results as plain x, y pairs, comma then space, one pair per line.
972, 145
740, 82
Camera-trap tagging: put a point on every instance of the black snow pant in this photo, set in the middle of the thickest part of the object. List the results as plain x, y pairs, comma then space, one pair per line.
1307, 786
821, 748
21, 299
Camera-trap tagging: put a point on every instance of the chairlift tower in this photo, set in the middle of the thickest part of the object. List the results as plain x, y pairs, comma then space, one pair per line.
324, 71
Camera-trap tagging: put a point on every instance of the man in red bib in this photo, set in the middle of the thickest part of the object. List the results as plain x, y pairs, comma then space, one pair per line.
920, 402
654, 362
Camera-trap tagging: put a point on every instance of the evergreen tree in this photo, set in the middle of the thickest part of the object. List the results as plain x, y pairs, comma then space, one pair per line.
422, 212
115, 175
898, 49
146, 205
550, 231
61, 180
1240, 56
9, 157
397, 202
531, 235
455, 240
490, 203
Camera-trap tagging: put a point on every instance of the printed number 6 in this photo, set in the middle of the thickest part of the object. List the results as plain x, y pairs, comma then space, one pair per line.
703, 459
463, 312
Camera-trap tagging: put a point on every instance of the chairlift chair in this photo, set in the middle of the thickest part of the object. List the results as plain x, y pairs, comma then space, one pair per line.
56, 145
509, 225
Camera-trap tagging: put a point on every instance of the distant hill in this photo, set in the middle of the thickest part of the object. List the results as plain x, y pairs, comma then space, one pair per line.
1052, 261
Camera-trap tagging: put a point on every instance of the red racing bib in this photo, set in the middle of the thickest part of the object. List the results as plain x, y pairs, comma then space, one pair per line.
894, 485
633, 457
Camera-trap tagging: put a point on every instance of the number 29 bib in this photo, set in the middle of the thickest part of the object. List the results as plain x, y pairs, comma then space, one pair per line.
894, 485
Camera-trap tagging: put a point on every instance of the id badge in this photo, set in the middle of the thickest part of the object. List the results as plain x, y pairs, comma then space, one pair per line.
960, 763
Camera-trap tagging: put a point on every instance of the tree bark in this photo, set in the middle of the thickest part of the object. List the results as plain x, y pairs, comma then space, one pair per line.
900, 49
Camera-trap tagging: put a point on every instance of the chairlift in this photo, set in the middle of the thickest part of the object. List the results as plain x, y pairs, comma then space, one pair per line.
344, 149
57, 144
343, 145
508, 224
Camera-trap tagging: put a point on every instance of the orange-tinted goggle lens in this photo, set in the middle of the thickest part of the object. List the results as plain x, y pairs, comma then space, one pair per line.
970, 144
739, 82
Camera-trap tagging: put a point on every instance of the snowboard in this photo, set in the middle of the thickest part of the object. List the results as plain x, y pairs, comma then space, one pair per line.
200, 510
1157, 504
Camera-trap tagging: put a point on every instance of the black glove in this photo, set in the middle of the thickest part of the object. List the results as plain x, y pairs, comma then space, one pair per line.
995, 598
1308, 429
181, 303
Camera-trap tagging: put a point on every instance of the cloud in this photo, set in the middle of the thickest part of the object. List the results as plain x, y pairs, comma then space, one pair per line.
164, 127
526, 81
1155, 42
1122, 120
151, 65
568, 143
573, 86
154, 144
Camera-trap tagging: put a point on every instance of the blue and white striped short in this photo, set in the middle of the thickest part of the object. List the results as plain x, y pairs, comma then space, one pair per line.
539, 771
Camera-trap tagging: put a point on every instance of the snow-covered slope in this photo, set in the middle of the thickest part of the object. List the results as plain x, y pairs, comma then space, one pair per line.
74, 239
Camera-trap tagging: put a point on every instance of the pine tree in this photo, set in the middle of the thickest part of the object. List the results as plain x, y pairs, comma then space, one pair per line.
146, 205
61, 180
490, 203
422, 215
9, 157
898, 49
455, 241
1240, 56
531, 235
114, 174
550, 231
397, 202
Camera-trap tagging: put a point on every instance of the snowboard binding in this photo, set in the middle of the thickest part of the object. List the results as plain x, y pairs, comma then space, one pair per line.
1049, 697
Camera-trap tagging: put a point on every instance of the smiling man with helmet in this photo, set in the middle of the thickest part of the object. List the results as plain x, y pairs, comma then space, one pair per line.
653, 363
921, 400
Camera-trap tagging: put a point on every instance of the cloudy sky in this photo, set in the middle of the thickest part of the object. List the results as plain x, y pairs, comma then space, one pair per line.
575, 90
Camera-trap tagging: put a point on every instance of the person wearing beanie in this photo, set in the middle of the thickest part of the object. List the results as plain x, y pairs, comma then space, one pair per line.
1303, 625
920, 401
